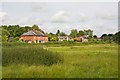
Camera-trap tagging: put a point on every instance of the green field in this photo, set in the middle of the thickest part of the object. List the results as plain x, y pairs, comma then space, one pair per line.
76, 61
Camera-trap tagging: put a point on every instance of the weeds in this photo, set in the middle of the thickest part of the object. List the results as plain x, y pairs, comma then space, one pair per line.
29, 55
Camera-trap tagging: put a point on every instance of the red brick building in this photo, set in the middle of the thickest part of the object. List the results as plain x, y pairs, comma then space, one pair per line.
34, 36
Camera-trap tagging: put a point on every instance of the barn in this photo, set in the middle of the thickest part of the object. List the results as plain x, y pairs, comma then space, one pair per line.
34, 36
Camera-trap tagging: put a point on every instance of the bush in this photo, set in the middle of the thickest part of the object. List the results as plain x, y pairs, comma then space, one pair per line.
31, 55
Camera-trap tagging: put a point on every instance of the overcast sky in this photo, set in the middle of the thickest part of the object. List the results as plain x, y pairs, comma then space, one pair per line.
101, 17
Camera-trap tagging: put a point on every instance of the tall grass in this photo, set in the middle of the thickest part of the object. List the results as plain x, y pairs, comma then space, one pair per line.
80, 61
31, 55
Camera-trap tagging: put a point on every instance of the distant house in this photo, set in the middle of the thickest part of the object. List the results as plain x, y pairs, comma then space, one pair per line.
34, 36
81, 39
84, 38
65, 38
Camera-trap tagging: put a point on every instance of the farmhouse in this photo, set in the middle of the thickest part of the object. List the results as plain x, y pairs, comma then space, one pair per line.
63, 38
34, 36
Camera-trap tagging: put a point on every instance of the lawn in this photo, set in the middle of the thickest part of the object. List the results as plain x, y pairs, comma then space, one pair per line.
83, 61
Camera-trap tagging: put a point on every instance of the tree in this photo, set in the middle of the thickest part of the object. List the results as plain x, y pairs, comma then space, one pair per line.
81, 33
110, 37
35, 27
5, 34
20, 31
58, 33
27, 28
104, 37
52, 37
88, 33
73, 33
11, 30
63, 34
4, 38
95, 36
117, 37
5, 27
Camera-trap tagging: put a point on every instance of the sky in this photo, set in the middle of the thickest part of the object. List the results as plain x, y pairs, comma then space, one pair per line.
101, 17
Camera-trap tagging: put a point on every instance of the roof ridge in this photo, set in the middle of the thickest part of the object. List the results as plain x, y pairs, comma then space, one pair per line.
34, 32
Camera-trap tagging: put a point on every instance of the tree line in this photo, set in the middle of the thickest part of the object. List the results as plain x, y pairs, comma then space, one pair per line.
11, 33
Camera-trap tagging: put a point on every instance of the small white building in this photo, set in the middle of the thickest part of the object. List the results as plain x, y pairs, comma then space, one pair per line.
65, 38
84, 39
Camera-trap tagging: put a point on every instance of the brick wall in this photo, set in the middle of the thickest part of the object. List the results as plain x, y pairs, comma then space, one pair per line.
34, 38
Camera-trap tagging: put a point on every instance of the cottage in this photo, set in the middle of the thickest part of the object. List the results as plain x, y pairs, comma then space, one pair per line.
65, 38
81, 39
84, 38
34, 36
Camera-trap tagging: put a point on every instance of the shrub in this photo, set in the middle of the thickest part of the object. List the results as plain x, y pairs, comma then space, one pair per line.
29, 55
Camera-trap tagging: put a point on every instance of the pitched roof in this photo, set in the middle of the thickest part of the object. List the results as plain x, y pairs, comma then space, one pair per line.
33, 33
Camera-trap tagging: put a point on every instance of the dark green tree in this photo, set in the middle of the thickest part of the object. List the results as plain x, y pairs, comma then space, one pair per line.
5, 35
81, 33
104, 37
63, 34
116, 37
52, 37
58, 33
110, 37
74, 33
35, 27
95, 37
89, 33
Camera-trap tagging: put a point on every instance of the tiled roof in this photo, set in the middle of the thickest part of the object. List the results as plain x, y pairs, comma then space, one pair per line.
33, 33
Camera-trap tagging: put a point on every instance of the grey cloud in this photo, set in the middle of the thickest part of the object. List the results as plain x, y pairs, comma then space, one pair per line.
107, 16
65, 17
82, 17
61, 17
101, 28
29, 20
5, 18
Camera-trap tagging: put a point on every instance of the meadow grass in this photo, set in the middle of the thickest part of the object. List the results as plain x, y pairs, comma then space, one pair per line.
83, 61
30, 55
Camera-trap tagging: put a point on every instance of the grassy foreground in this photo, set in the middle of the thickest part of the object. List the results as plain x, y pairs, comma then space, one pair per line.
86, 61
